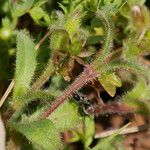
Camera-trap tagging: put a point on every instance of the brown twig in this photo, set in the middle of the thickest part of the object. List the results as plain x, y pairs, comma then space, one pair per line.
11, 85
125, 131
43, 39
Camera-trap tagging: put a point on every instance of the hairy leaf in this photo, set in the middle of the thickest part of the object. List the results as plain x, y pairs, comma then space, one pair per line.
135, 66
22, 8
43, 96
37, 13
140, 91
131, 49
113, 7
66, 116
88, 131
73, 22
42, 133
25, 63
59, 41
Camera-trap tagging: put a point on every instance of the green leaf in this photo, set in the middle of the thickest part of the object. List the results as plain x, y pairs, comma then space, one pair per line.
42, 133
138, 97
88, 131
63, 7
109, 87
75, 46
84, 133
134, 66
66, 116
37, 13
59, 40
109, 82
75, 136
43, 96
25, 63
22, 8
116, 142
115, 80
131, 49
113, 7
140, 91
26, 118
39, 3
94, 39
5, 22
45, 75
73, 22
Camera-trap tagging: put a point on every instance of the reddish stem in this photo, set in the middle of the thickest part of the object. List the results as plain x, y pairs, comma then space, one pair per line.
87, 75
111, 108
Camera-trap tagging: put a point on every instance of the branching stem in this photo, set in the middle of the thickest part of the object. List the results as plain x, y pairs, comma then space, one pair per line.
86, 76
90, 71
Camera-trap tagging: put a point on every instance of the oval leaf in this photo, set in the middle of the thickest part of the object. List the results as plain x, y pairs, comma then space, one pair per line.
59, 40
25, 63
42, 133
114, 79
108, 85
66, 116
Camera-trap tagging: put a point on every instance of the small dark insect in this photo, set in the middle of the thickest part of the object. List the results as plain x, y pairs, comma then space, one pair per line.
89, 108
84, 103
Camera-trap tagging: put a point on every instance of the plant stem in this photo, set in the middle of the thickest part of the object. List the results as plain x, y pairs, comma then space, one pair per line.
44, 77
86, 76
43, 39
10, 87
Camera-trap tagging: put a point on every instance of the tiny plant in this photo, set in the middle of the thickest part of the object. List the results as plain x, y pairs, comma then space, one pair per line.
91, 43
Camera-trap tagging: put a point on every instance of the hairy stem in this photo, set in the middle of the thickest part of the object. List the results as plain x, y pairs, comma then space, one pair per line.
87, 75
44, 77
109, 36
90, 71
